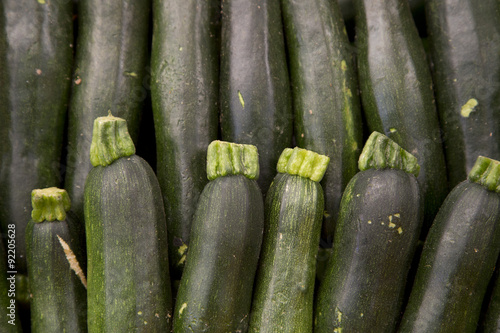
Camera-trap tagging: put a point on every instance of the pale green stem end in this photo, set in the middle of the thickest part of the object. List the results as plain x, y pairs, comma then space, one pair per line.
227, 158
486, 172
304, 163
49, 204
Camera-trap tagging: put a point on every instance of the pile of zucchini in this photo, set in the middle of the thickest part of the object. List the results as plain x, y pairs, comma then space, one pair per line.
250, 166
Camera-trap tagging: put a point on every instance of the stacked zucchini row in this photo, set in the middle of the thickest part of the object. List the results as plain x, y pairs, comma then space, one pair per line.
394, 176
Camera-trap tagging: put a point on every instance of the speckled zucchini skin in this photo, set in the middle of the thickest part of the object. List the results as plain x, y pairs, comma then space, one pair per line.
464, 39
215, 291
376, 236
128, 277
184, 92
325, 94
255, 98
396, 91
35, 68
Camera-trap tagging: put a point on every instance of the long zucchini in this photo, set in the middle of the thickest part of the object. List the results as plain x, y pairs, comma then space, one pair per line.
380, 219
459, 256
255, 98
128, 276
284, 287
215, 291
184, 92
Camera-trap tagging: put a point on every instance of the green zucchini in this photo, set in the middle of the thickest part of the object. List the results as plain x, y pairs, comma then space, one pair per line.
381, 215
57, 280
128, 276
215, 291
35, 69
396, 91
325, 94
8, 308
490, 322
255, 97
109, 75
465, 46
184, 92
283, 298
459, 256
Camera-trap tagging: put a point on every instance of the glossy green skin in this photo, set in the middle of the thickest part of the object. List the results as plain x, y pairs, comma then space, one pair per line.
283, 298
58, 297
215, 291
35, 70
127, 274
184, 92
456, 264
110, 74
464, 38
363, 285
325, 94
254, 70
396, 91
491, 320
10, 322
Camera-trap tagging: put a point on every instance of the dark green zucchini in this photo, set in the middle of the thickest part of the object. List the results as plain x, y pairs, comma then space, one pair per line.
284, 287
396, 91
490, 322
215, 291
255, 98
8, 308
128, 276
325, 94
458, 257
109, 75
184, 92
464, 37
58, 287
35, 69
381, 215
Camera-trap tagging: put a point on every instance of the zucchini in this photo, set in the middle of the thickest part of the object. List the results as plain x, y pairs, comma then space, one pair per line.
490, 322
380, 218
184, 92
325, 94
109, 75
283, 298
465, 46
459, 256
396, 91
58, 287
128, 276
35, 69
255, 97
215, 290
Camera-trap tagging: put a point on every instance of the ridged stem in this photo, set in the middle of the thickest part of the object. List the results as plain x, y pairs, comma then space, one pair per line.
304, 163
227, 158
49, 204
486, 172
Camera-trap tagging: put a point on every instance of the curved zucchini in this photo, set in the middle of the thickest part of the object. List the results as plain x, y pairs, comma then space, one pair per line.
283, 298
458, 257
325, 94
128, 276
57, 280
109, 75
255, 98
215, 291
465, 46
184, 92
35, 69
396, 91
379, 224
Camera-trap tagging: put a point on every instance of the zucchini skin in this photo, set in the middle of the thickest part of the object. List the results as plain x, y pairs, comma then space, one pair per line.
215, 291
396, 91
36, 52
456, 263
326, 103
128, 277
465, 46
58, 298
184, 92
255, 97
109, 74
364, 281
490, 322
283, 297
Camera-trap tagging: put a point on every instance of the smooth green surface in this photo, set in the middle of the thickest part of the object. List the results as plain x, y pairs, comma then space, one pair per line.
184, 94
304, 163
255, 97
49, 204
228, 158
128, 276
215, 291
